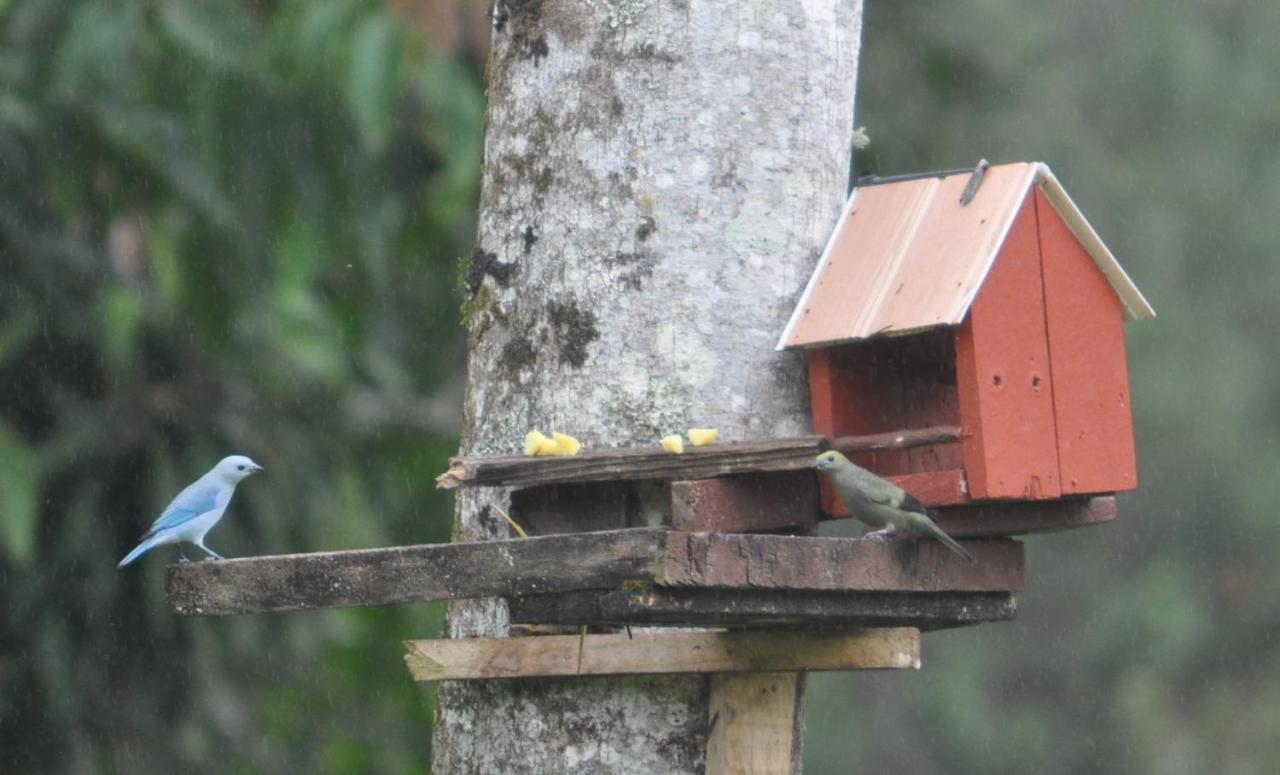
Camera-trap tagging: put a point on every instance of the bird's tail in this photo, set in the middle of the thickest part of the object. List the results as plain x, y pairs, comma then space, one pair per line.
950, 542
139, 550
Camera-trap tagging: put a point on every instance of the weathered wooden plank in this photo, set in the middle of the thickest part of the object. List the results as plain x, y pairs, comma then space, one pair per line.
633, 463
750, 502
408, 574
653, 463
895, 440
662, 652
745, 561
602, 560
671, 606
756, 723
1020, 518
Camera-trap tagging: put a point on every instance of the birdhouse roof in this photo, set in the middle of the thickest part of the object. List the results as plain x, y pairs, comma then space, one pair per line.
907, 256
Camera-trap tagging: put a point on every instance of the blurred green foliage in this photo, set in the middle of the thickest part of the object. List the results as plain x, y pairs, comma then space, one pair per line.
1146, 645
225, 227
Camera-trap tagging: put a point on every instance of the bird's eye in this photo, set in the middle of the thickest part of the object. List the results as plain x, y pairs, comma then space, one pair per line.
239, 468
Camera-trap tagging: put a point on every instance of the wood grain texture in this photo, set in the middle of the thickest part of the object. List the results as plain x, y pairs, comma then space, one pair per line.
935, 488
1085, 321
847, 564
631, 463
756, 723
661, 652
692, 607
913, 438
1023, 517
1003, 376
739, 504
408, 574
602, 560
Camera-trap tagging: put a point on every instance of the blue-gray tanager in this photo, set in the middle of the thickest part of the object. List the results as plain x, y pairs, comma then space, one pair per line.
879, 502
196, 509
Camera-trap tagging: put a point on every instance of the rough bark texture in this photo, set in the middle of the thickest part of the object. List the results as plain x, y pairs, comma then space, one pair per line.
660, 177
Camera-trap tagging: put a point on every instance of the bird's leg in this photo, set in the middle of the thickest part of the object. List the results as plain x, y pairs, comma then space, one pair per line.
212, 554
883, 534
182, 556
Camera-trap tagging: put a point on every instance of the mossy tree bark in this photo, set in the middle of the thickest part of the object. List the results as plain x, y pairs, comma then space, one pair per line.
659, 179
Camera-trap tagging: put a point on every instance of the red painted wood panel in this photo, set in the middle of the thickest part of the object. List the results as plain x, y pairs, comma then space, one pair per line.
823, 408
928, 369
822, 391
1086, 350
933, 489
1003, 376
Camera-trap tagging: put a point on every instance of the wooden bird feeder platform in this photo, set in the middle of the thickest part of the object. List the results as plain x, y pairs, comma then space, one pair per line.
721, 557
968, 347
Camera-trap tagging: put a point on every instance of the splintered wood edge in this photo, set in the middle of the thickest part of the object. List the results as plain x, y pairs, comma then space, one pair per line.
451, 479
659, 653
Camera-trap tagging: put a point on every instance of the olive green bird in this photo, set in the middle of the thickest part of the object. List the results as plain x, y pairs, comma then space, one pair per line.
879, 502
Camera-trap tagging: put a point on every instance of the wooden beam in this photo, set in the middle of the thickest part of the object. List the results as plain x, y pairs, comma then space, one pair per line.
756, 723
745, 561
602, 560
749, 502
904, 439
407, 574
765, 608
1020, 518
661, 652
653, 463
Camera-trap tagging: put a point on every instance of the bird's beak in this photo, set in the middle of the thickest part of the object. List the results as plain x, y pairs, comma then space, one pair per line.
257, 468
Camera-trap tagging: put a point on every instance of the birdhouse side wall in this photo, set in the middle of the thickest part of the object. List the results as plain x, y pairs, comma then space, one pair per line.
1004, 377
1085, 322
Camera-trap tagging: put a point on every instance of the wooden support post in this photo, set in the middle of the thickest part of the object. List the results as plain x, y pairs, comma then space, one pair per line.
661, 652
757, 723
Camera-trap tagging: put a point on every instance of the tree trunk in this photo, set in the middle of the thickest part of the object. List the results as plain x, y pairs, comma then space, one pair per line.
660, 177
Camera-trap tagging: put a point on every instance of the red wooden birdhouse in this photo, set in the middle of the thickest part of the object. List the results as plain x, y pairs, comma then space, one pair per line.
1001, 316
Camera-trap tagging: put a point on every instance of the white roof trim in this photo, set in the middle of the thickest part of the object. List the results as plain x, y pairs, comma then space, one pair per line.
1135, 304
